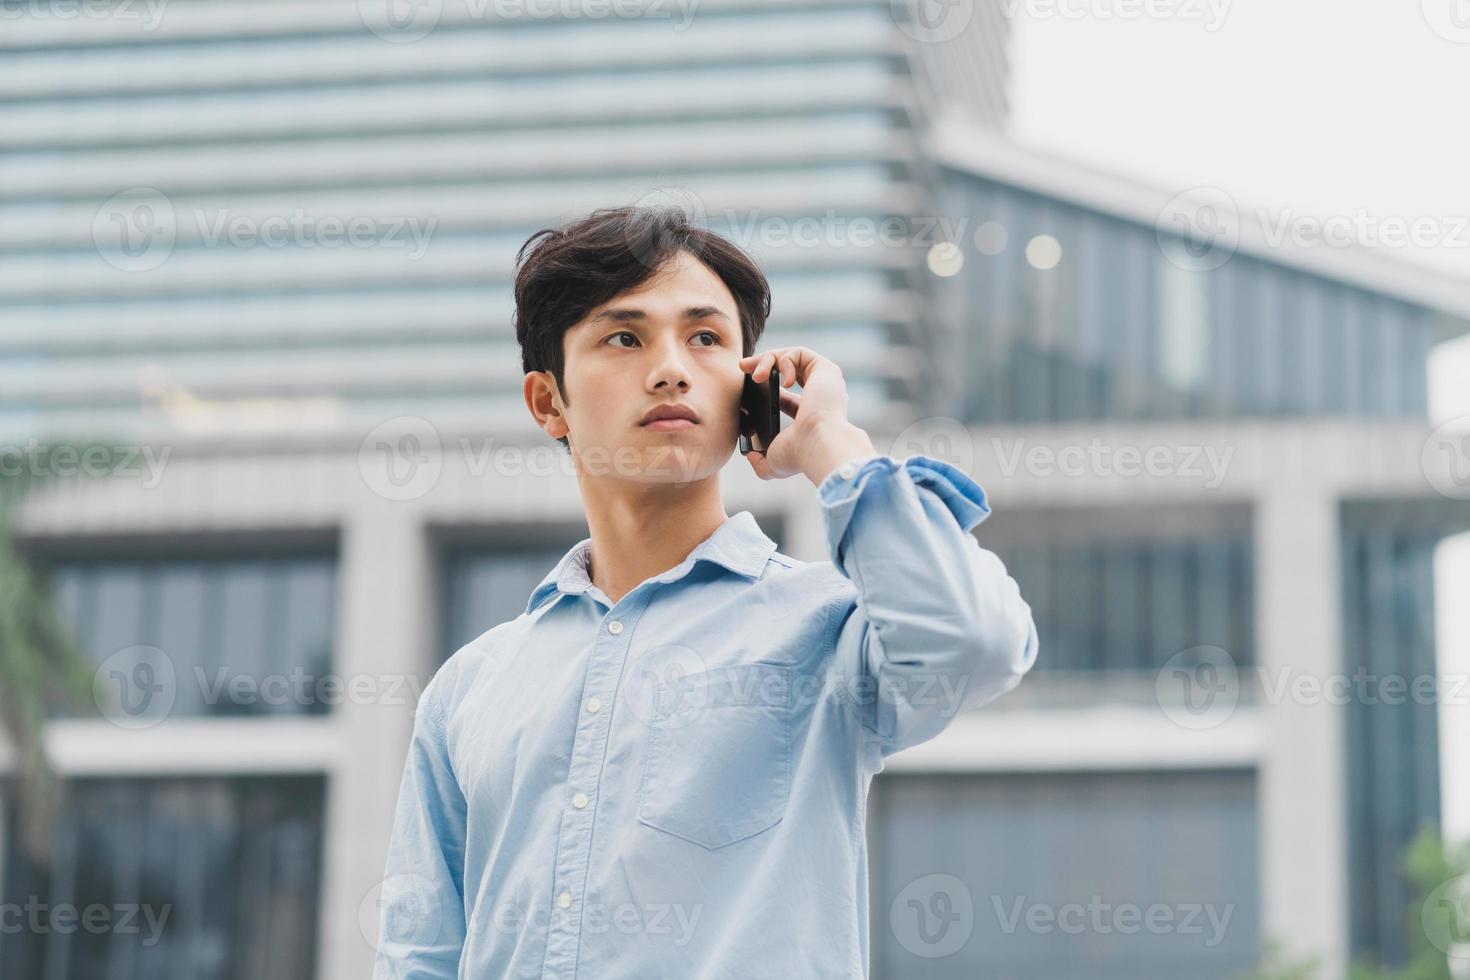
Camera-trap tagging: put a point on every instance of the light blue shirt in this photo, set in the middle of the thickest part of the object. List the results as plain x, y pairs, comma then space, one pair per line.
674, 785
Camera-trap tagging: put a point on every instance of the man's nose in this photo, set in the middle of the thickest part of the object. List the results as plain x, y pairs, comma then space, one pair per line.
670, 369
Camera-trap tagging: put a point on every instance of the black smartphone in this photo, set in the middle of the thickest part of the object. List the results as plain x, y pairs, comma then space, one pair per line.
760, 412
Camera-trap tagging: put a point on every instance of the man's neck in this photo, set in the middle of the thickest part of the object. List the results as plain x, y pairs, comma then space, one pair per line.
641, 530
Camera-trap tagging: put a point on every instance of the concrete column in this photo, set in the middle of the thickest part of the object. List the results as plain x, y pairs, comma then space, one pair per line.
1302, 784
387, 638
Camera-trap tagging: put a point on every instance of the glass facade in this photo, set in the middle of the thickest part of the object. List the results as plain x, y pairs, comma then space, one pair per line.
483, 588
1130, 605
197, 878
1116, 331
187, 876
1039, 876
228, 636
1392, 718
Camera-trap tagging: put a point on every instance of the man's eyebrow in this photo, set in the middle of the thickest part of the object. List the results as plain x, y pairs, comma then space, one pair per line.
629, 314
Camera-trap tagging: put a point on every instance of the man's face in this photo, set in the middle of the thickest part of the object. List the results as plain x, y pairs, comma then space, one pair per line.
675, 340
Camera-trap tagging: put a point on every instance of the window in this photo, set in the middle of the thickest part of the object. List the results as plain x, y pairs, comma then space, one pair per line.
202, 878
212, 637
1038, 876
486, 588
1129, 604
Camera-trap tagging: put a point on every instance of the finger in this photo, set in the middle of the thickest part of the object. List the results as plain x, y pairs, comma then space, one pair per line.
803, 361
796, 364
790, 403
788, 372
757, 461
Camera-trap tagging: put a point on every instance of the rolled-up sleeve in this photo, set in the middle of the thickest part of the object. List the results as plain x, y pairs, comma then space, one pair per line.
937, 625
421, 919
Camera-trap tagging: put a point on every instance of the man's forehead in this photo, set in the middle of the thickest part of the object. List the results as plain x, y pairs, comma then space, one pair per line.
671, 305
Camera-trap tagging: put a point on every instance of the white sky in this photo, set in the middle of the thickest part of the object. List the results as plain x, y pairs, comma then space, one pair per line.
1324, 108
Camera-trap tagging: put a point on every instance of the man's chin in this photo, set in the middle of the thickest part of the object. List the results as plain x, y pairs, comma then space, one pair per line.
669, 457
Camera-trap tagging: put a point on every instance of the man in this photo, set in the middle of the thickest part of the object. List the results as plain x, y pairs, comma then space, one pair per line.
660, 769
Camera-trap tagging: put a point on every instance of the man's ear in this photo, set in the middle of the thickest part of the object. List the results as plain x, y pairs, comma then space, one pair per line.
544, 401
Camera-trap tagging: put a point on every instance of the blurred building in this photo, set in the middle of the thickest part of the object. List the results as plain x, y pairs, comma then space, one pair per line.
271, 245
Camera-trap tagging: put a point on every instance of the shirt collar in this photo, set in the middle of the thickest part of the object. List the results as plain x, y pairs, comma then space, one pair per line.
739, 544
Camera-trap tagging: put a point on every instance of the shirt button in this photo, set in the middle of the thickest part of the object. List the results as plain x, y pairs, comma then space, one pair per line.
847, 470
594, 705
564, 900
615, 627
579, 801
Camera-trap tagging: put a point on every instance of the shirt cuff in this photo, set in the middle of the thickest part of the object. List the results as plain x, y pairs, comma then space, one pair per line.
840, 491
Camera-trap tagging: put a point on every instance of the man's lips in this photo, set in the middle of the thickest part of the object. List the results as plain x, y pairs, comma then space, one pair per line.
663, 425
657, 416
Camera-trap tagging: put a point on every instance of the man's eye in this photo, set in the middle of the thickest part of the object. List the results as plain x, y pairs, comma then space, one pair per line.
711, 334
622, 333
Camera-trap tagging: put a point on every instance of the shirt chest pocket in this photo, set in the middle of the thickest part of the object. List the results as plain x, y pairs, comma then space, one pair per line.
718, 762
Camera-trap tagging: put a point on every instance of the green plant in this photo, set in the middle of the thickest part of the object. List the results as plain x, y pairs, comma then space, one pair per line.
41, 663
1429, 864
